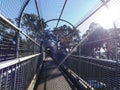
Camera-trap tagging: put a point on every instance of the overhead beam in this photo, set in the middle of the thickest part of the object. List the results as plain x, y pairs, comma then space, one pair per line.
60, 20
61, 12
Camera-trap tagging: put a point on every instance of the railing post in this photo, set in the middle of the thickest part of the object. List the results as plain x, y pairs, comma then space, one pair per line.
43, 50
17, 44
117, 67
79, 50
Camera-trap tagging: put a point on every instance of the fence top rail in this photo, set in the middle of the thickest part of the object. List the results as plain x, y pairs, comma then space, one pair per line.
16, 61
16, 28
103, 60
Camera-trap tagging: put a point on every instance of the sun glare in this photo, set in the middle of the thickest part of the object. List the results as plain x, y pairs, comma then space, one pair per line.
107, 16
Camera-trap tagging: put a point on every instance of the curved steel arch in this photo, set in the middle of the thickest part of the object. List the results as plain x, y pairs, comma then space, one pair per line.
21, 12
23, 8
60, 20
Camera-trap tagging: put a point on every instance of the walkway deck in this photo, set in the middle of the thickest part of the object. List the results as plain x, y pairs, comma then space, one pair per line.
52, 78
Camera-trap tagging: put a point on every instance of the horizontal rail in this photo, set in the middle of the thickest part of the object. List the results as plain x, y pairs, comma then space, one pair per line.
16, 28
79, 79
105, 60
17, 60
99, 63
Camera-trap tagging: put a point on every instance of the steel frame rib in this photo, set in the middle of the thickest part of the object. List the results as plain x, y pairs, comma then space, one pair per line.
21, 13
61, 13
38, 11
92, 13
60, 20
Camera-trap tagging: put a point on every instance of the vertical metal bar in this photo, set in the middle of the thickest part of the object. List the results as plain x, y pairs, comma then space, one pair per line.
0, 79
21, 80
15, 77
80, 50
79, 60
17, 44
23, 77
33, 48
6, 82
114, 25
117, 67
1, 76
12, 78
116, 51
18, 77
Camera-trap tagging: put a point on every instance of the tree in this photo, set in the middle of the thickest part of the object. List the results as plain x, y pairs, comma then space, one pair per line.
66, 37
96, 37
33, 26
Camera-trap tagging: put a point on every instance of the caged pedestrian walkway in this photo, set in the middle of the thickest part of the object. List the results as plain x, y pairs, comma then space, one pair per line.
51, 77
25, 63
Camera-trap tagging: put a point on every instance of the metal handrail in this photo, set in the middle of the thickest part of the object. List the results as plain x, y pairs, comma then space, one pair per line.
78, 78
5, 64
97, 59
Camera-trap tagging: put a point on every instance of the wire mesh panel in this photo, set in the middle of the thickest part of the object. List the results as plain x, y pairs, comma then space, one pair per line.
17, 72
98, 69
18, 76
7, 42
27, 47
19, 51
100, 74
11, 8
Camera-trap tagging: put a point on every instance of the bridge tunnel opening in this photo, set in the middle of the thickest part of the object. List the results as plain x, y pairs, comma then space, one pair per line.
92, 59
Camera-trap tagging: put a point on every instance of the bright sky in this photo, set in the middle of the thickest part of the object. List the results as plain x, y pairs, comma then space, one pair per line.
50, 9
105, 16
75, 10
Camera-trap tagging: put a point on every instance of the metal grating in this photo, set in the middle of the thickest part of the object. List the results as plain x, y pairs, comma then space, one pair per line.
51, 78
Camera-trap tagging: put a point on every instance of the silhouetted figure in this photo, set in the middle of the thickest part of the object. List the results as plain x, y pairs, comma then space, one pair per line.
48, 52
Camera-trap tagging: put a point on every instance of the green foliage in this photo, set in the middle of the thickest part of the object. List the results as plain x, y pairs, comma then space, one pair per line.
66, 36
33, 26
